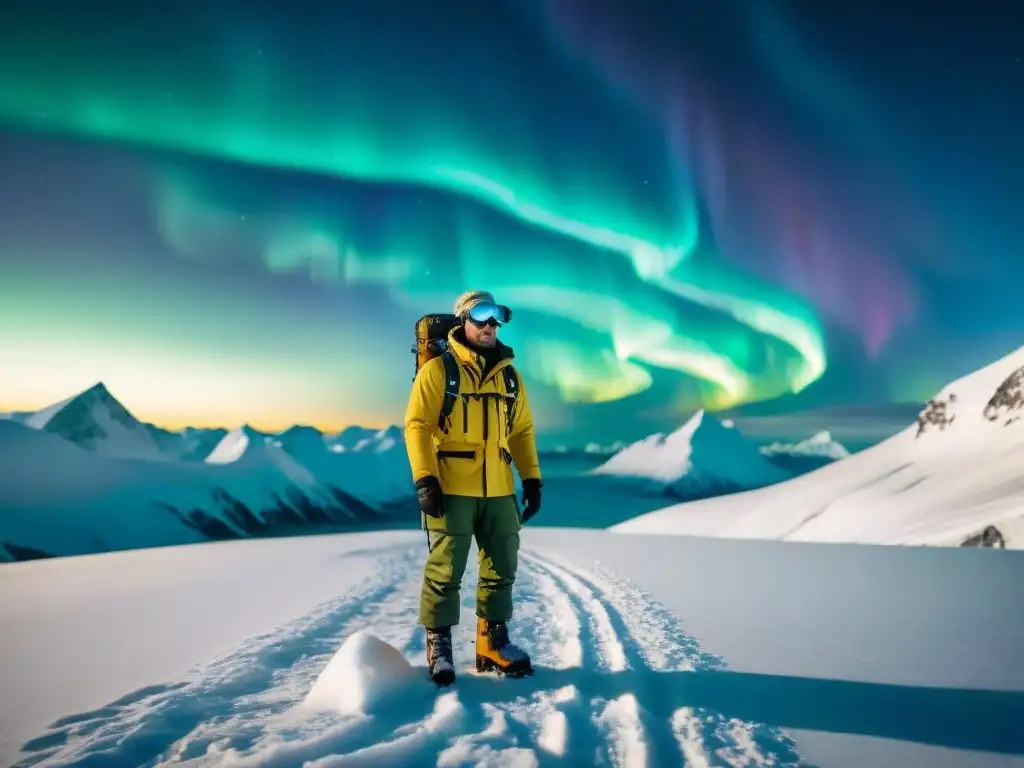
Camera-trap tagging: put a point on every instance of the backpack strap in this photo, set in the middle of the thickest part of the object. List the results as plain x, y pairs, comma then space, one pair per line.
452, 381
511, 396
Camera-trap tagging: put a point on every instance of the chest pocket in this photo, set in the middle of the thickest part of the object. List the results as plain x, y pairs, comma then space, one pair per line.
496, 409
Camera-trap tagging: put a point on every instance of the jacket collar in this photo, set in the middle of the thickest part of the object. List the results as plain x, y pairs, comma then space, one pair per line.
466, 354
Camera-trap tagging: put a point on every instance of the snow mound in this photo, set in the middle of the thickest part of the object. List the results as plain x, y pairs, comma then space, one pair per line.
363, 674
701, 454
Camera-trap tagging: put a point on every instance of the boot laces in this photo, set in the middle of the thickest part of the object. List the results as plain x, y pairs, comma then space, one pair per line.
498, 632
441, 643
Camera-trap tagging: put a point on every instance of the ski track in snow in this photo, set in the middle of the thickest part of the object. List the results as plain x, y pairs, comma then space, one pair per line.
603, 650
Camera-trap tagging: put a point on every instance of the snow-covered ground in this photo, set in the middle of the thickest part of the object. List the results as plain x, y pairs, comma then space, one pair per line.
648, 649
939, 482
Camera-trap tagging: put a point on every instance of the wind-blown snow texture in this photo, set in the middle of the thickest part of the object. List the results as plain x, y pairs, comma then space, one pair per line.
955, 477
900, 667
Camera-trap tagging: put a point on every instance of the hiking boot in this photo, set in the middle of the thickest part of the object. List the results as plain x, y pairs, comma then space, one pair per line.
439, 656
495, 653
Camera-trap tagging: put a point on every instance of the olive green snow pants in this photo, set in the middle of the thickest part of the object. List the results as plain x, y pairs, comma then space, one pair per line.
495, 522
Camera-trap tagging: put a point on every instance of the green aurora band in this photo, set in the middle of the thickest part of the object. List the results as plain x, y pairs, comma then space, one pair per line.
651, 293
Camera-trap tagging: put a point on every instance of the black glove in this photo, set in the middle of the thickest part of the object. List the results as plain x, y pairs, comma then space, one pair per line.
428, 492
531, 498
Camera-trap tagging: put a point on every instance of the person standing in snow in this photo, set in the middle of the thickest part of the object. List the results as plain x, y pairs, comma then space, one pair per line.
464, 482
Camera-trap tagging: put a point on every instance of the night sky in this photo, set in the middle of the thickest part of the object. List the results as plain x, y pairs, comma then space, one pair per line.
235, 211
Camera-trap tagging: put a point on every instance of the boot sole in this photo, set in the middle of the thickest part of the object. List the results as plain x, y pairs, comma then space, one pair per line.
522, 669
444, 679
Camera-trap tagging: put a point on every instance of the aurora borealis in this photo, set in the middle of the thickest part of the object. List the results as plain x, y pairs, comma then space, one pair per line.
235, 212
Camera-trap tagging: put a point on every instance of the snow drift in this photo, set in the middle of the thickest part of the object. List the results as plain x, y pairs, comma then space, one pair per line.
954, 477
365, 673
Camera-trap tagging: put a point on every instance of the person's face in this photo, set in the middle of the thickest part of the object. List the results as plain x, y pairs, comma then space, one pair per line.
485, 335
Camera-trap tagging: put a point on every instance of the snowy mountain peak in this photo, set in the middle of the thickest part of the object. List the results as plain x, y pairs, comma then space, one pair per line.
98, 391
356, 439
94, 396
704, 429
702, 452
301, 441
820, 444
250, 447
303, 430
94, 419
237, 443
349, 438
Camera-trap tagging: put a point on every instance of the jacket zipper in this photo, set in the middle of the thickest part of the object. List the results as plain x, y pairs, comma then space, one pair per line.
491, 375
486, 413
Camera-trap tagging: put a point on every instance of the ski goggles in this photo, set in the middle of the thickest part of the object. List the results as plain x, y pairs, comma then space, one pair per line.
489, 313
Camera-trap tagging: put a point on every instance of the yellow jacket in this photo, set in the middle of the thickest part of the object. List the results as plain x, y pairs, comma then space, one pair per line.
473, 458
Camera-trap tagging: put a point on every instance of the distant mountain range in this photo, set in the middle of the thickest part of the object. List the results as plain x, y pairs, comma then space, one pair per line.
807, 455
702, 458
954, 476
85, 475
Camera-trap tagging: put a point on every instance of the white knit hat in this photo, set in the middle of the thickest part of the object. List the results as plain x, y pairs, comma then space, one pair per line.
470, 299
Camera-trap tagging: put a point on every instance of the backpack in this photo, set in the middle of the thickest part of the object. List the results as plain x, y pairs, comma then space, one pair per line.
432, 341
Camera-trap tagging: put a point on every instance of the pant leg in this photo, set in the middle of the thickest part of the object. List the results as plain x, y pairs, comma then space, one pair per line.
497, 538
448, 538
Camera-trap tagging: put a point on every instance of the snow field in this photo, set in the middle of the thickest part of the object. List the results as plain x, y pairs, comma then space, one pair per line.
607, 656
